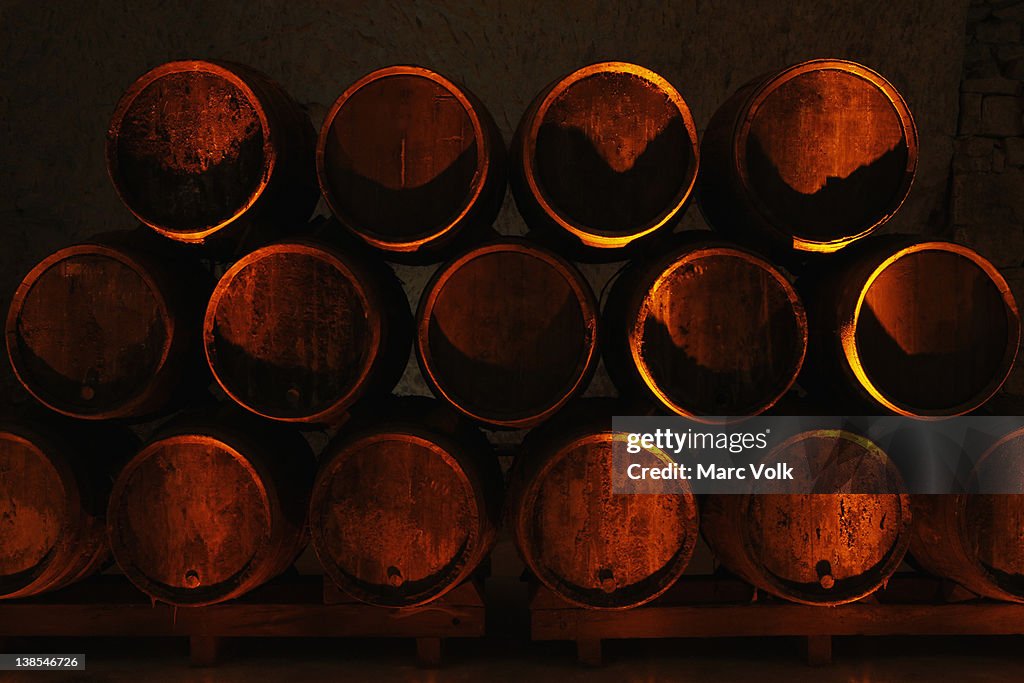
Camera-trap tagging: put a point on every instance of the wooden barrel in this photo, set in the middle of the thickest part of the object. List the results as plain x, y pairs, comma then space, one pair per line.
405, 506
506, 333
53, 489
976, 539
918, 328
102, 331
604, 157
592, 546
820, 548
207, 511
298, 331
708, 329
205, 150
411, 162
809, 158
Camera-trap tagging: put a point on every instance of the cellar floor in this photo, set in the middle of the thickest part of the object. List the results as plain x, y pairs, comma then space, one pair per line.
857, 660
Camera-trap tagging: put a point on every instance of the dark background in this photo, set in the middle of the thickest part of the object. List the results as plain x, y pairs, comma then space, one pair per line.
65, 64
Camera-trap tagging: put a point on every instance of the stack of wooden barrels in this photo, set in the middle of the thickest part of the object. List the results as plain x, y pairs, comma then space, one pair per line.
231, 308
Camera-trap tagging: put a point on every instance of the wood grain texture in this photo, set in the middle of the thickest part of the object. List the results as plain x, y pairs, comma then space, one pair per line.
917, 328
402, 511
594, 547
833, 546
408, 160
708, 329
605, 156
812, 157
977, 540
299, 331
110, 606
507, 333
204, 514
54, 479
203, 150
97, 331
699, 47
668, 619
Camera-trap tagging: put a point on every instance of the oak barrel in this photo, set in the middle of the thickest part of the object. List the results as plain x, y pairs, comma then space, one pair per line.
920, 328
54, 482
211, 508
506, 333
809, 158
405, 506
603, 158
411, 162
591, 545
707, 329
820, 548
105, 330
212, 152
977, 539
298, 331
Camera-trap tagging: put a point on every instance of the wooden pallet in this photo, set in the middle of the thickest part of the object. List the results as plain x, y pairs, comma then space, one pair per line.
288, 607
716, 607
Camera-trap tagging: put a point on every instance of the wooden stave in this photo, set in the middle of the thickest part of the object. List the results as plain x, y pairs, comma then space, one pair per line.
588, 304
283, 464
831, 292
430, 421
85, 457
178, 283
473, 224
624, 301
576, 241
724, 523
387, 306
722, 197
283, 201
940, 544
538, 455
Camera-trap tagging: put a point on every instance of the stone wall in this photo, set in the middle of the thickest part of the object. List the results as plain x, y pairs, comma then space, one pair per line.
987, 209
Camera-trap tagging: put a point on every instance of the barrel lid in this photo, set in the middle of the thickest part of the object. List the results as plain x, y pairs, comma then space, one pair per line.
991, 526
835, 545
182, 133
34, 511
716, 330
611, 153
292, 333
396, 520
507, 333
87, 330
920, 311
816, 142
596, 547
191, 519
442, 170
